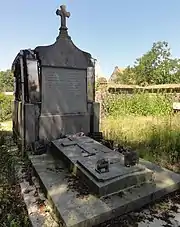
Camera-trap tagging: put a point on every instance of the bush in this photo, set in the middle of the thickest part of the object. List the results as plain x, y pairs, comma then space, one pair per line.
5, 107
137, 104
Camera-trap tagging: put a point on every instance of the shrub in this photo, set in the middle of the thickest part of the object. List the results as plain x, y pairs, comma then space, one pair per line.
137, 104
5, 107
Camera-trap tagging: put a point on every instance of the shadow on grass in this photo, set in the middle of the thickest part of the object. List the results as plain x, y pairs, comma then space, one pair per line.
12, 207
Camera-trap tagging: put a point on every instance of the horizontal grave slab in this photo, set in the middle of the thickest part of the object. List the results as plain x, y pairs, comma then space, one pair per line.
77, 207
81, 155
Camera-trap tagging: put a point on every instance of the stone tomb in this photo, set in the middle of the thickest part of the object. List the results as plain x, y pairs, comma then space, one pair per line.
81, 155
120, 191
58, 93
63, 103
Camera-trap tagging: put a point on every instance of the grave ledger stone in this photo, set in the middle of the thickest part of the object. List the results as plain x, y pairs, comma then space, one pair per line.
101, 168
54, 89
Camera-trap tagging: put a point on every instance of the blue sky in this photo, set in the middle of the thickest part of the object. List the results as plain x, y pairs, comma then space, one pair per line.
115, 32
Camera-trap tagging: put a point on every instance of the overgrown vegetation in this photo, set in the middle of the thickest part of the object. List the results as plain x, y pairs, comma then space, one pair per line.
5, 107
6, 81
146, 123
138, 104
12, 208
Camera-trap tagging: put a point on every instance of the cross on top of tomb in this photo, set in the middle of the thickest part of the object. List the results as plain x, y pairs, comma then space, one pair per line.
63, 14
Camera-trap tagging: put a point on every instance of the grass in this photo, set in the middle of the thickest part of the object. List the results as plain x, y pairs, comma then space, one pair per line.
12, 207
156, 139
6, 126
138, 104
144, 122
5, 107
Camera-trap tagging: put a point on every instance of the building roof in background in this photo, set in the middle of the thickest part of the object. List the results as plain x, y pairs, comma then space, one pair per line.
115, 72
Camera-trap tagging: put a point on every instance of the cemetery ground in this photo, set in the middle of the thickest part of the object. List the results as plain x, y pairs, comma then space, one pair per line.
22, 202
156, 138
12, 207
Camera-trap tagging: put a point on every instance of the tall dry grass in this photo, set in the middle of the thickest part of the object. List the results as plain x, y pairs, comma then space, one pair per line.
153, 130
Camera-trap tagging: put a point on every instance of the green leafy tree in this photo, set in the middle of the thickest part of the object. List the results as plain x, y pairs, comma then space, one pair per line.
157, 66
6, 81
126, 77
101, 81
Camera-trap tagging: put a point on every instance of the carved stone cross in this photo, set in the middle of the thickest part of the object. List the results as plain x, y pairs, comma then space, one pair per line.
63, 14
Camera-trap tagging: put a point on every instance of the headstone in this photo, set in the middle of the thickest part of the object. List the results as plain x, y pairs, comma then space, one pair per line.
67, 85
58, 89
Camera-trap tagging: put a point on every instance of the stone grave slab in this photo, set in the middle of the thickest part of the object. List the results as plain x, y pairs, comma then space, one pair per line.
81, 155
116, 167
79, 211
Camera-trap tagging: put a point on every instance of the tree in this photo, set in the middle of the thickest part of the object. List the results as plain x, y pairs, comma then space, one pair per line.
6, 81
157, 66
101, 81
126, 77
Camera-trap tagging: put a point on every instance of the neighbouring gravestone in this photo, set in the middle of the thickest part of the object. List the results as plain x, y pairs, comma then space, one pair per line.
59, 89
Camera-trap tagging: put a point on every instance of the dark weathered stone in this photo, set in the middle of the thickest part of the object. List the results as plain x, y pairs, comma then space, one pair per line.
63, 14
88, 158
101, 165
131, 158
59, 84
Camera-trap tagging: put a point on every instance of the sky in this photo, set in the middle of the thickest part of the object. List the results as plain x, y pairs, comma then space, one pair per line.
115, 32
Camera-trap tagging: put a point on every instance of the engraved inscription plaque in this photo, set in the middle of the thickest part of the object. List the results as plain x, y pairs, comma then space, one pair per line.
64, 91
